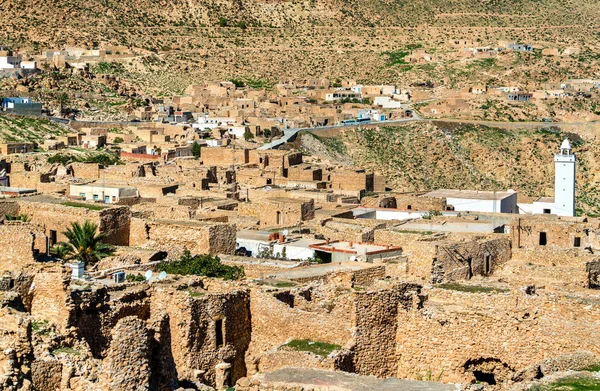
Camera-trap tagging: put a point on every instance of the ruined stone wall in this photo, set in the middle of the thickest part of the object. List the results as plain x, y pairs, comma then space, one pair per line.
127, 363
115, 224
20, 242
350, 230
223, 156
413, 202
302, 173
258, 268
126, 171
15, 349
462, 261
404, 202
318, 313
538, 233
366, 277
175, 236
95, 313
206, 330
377, 312
351, 180
56, 217
9, 208
50, 296
260, 194
25, 179
419, 249
88, 171
593, 274
458, 333
279, 211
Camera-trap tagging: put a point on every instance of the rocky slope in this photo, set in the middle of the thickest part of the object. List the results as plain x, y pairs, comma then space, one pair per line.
421, 157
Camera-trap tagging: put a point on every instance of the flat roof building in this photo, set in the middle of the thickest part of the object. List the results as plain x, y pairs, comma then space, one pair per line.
478, 201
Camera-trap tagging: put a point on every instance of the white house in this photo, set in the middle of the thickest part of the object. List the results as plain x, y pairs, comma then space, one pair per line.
386, 102
102, 193
214, 143
237, 131
478, 201
10, 62
28, 65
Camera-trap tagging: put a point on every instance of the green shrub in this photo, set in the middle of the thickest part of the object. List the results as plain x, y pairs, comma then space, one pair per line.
22, 217
135, 278
202, 265
248, 135
196, 149
319, 348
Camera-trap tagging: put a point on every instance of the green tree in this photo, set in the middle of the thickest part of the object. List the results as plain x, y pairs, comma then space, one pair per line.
85, 244
118, 140
196, 149
248, 135
63, 100
202, 265
222, 22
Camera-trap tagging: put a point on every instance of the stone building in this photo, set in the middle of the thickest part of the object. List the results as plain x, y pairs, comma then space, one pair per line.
174, 236
282, 212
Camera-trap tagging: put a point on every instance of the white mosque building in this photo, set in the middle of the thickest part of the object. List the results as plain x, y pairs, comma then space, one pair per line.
563, 202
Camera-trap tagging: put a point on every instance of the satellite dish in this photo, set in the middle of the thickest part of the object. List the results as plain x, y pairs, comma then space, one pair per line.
148, 275
353, 258
162, 275
285, 232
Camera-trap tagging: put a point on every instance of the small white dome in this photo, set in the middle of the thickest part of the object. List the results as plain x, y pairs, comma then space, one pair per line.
565, 144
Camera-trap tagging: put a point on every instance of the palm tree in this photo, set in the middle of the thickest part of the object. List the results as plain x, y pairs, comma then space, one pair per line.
85, 244
61, 250
63, 100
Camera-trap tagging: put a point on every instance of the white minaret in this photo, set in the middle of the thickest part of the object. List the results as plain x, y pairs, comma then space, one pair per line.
564, 181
